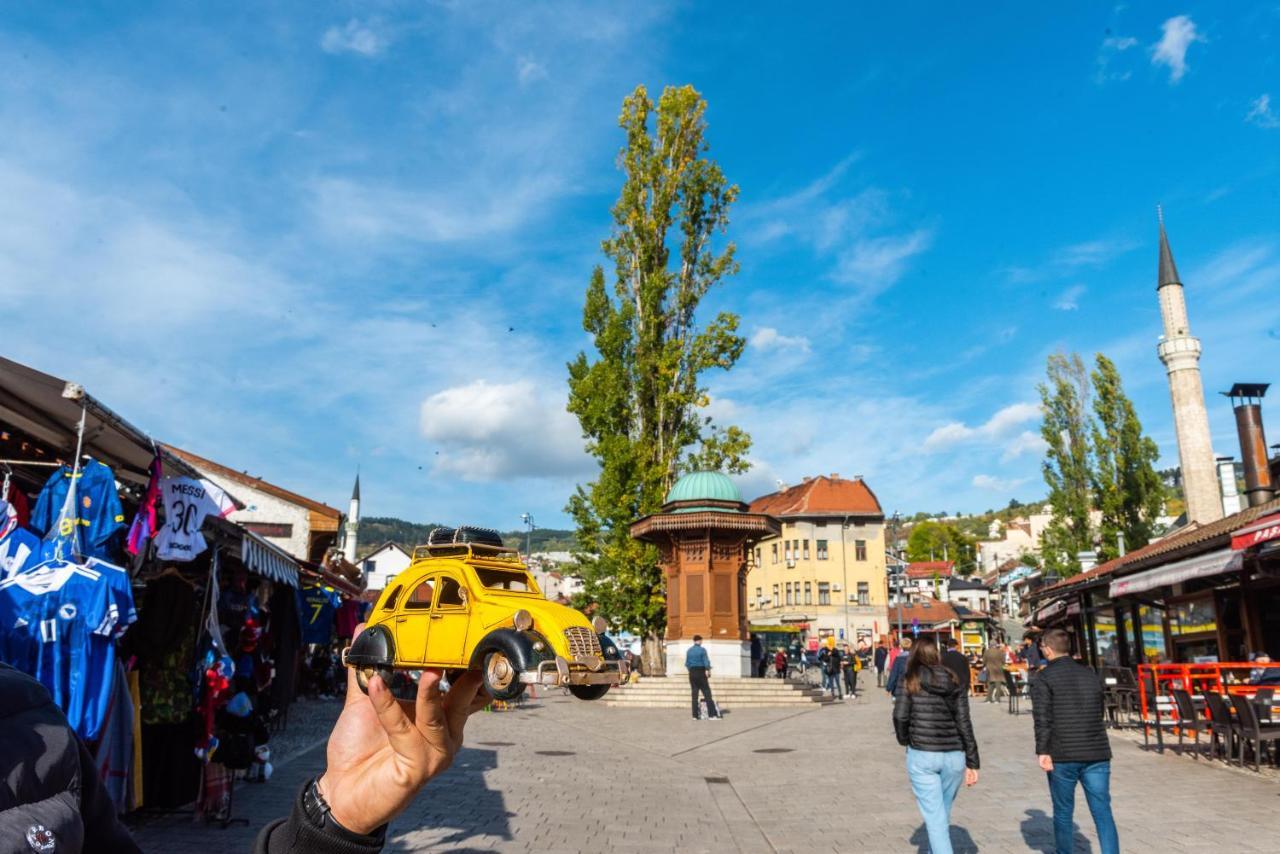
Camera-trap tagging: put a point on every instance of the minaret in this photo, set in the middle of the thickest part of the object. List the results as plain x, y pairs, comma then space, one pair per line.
1180, 352
353, 524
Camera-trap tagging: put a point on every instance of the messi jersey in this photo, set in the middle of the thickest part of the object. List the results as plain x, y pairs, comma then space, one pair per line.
58, 623
97, 516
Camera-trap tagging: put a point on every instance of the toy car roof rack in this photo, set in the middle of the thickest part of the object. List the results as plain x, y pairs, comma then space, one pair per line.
464, 539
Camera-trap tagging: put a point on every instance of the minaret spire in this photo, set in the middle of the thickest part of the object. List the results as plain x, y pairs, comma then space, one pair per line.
352, 527
1179, 350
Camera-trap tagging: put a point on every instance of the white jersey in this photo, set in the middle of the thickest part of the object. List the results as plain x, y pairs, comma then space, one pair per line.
187, 502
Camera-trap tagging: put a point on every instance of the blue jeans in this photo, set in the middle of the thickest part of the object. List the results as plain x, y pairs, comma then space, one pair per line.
1096, 779
831, 682
935, 779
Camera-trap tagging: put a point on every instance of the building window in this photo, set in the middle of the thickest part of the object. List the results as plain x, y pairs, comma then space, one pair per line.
775, 553
824, 593
786, 550
758, 563
759, 596
859, 549
806, 549
370, 566
788, 592
822, 549
864, 593
808, 593
775, 595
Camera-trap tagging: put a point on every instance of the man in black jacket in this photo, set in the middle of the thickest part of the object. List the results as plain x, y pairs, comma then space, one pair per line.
381, 753
1071, 742
953, 660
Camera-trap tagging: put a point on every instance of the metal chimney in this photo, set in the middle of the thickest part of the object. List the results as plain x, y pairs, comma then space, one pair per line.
1246, 399
1231, 503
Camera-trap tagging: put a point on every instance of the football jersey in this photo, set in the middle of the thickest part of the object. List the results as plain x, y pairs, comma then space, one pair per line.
319, 606
58, 623
93, 517
187, 502
18, 550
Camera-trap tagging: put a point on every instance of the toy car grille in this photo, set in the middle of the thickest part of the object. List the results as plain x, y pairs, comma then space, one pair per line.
582, 641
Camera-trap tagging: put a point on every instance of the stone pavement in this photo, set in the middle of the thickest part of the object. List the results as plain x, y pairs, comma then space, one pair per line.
564, 775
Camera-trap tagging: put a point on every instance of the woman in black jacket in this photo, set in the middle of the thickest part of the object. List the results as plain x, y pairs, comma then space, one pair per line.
931, 718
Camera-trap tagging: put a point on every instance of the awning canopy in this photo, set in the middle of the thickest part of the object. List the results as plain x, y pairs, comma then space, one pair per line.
1051, 610
267, 559
1200, 566
1262, 531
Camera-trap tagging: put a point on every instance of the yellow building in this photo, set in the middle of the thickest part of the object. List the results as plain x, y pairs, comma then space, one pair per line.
826, 573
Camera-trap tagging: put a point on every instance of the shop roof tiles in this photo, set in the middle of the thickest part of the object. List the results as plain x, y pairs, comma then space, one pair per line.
930, 568
928, 612
821, 496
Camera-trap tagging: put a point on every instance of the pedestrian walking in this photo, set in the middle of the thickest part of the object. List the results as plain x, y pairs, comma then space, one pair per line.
898, 666
993, 658
849, 668
829, 659
698, 663
757, 656
1071, 742
780, 662
954, 660
880, 656
931, 719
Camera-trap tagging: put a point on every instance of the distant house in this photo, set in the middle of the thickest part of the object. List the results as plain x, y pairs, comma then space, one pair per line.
548, 569
971, 593
934, 618
383, 564
928, 579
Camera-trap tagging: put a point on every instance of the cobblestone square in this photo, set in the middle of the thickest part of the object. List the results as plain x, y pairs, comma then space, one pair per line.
564, 775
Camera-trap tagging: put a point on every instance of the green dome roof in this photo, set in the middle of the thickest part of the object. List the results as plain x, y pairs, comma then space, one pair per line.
704, 486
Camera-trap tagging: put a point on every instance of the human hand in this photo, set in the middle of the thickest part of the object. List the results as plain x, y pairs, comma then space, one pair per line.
1046, 762
382, 751
971, 776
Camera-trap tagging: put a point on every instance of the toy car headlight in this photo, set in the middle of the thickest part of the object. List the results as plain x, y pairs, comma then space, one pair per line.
599, 625
523, 620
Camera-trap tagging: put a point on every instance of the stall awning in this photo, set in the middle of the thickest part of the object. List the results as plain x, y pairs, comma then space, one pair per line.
268, 560
1050, 611
1264, 530
1200, 566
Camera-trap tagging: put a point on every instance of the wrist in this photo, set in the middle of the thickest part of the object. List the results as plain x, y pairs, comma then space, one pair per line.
331, 817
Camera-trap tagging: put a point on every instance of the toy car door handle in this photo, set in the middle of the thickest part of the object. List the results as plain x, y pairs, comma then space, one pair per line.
401, 619
437, 616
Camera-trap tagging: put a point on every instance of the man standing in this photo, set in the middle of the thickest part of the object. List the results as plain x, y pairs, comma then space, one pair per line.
698, 663
993, 658
757, 656
1071, 742
881, 654
954, 660
829, 660
898, 667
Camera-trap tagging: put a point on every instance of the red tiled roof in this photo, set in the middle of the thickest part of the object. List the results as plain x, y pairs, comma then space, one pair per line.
821, 496
929, 614
255, 482
930, 568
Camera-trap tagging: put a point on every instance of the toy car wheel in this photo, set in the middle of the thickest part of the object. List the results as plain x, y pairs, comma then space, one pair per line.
501, 678
588, 692
364, 674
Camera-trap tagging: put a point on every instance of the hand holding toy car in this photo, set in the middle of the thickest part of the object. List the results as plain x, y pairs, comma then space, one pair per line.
383, 750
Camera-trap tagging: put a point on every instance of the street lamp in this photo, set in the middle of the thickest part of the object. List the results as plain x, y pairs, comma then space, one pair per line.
527, 519
897, 585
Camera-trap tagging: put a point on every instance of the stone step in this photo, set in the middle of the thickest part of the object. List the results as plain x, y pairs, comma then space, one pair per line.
673, 692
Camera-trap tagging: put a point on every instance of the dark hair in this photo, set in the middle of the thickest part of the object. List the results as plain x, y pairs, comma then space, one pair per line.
697, 638
950, 642
1057, 640
924, 653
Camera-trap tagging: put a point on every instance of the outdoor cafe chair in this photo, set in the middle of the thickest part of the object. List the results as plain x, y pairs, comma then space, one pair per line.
1188, 719
1222, 725
1016, 691
1253, 733
1263, 701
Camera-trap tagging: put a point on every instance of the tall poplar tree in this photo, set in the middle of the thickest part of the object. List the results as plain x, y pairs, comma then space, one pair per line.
640, 398
1067, 468
1127, 488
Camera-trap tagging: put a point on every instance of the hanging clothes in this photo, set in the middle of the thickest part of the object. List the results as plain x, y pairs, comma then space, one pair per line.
16, 497
187, 502
319, 606
19, 548
92, 519
114, 753
60, 622
144, 521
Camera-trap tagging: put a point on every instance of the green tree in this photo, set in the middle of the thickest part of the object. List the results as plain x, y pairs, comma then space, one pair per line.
640, 399
1067, 467
1128, 490
930, 541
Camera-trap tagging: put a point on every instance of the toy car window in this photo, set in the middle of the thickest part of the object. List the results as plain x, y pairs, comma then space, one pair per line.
391, 600
504, 579
421, 597
450, 594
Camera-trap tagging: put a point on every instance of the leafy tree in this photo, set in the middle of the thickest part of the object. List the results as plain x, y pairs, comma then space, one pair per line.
1067, 471
931, 541
1128, 490
640, 399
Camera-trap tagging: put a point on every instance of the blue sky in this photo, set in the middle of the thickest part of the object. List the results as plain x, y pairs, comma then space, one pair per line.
298, 238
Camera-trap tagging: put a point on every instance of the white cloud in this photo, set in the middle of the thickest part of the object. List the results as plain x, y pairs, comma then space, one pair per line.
1112, 47
1025, 442
529, 70
1066, 260
876, 262
1069, 300
1171, 50
766, 338
354, 37
491, 431
998, 425
1261, 114
997, 484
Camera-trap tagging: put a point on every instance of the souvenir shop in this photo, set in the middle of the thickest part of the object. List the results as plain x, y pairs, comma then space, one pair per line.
170, 636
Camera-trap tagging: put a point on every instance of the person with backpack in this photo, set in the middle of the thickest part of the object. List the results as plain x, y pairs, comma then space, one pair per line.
931, 719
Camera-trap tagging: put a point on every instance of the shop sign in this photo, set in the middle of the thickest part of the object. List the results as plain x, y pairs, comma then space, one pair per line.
1263, 531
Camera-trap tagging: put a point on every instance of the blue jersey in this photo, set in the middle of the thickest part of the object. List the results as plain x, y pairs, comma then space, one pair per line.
319, 606
96, 516
18, 550
59, 623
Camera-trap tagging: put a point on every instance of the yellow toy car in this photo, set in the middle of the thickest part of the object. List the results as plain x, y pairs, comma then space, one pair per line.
467, 602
